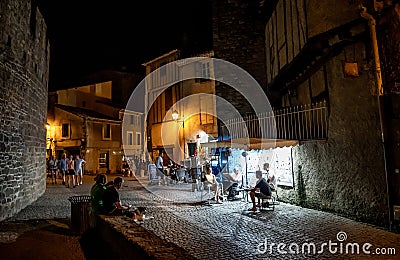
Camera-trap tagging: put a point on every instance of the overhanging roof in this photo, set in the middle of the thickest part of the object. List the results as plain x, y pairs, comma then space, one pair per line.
87, 113
252, 143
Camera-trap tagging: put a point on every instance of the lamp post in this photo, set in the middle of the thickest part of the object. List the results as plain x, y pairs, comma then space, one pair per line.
175, 116
244, 154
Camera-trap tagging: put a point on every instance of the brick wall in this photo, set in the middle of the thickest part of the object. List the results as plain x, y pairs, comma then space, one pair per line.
24, 63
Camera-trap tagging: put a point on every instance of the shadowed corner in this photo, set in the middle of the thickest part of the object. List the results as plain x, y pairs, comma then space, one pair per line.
94, 247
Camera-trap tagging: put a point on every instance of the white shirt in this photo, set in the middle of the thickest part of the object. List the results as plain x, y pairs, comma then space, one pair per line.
160, 162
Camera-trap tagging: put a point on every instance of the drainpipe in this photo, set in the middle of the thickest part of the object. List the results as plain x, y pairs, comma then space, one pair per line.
372, 28
379, 86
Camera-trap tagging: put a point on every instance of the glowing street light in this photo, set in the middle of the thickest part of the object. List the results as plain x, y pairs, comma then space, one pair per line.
175, 115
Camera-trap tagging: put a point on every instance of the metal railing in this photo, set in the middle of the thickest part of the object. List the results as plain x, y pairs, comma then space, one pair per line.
304, 122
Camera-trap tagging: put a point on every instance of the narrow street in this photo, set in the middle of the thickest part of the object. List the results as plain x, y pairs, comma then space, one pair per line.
215, 231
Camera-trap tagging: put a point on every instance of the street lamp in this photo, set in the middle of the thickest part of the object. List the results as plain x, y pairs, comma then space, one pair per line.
245, 154
175, 116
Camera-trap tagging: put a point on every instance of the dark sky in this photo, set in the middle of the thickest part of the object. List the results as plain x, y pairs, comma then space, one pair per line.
87, 36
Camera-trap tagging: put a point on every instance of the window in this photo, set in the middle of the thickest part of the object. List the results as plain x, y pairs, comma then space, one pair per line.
131, 121
65, 130
130, 138
204, 73
205, 70
107, 131
138, 138
163, 69
168, 98
103, 160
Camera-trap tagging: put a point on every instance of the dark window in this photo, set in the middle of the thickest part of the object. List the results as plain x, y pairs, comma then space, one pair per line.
168, 99
107, 131
65, 130
130, 138
138, 139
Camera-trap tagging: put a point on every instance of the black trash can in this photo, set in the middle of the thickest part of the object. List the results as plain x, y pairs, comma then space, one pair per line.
80, 213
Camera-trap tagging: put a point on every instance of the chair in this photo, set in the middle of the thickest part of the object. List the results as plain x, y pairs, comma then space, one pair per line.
267, 202
180, 175
276, 197
205, 186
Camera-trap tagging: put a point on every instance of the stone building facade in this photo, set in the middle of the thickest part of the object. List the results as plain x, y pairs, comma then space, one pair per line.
24, 70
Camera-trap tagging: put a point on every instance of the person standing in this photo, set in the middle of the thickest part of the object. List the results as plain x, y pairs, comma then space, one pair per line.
160, 168
70, 171
270, 177
53, 163
63, 167
78, 169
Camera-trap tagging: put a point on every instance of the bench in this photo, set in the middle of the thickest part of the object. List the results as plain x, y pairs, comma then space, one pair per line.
132, 241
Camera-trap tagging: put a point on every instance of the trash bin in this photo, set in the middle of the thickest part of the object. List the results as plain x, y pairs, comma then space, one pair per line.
80, 213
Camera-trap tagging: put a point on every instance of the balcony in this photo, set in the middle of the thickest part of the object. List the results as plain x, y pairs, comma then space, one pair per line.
298, 123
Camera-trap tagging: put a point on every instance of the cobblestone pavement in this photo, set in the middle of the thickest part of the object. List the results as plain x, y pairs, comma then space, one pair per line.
228, 230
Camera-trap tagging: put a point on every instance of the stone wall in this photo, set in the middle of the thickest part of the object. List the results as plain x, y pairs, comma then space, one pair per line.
24, 63
239, 38
344, 174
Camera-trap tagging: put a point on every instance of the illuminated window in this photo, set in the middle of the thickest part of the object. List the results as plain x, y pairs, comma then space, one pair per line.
103, 160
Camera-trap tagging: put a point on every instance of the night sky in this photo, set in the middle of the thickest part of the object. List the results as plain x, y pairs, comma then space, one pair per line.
87, 36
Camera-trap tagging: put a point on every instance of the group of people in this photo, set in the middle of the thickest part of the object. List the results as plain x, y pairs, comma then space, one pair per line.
232, 181
106, 200
71, 169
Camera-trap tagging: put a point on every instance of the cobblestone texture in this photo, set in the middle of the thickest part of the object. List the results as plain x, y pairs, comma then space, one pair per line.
228, 230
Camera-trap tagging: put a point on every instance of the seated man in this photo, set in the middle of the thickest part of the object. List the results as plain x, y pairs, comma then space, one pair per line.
232, 181
264, 190
111, 201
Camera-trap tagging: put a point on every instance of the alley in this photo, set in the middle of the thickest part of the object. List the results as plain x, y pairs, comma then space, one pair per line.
228, 230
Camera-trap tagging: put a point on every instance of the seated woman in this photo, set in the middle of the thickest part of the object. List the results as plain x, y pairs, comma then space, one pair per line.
264, 190
211, 180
